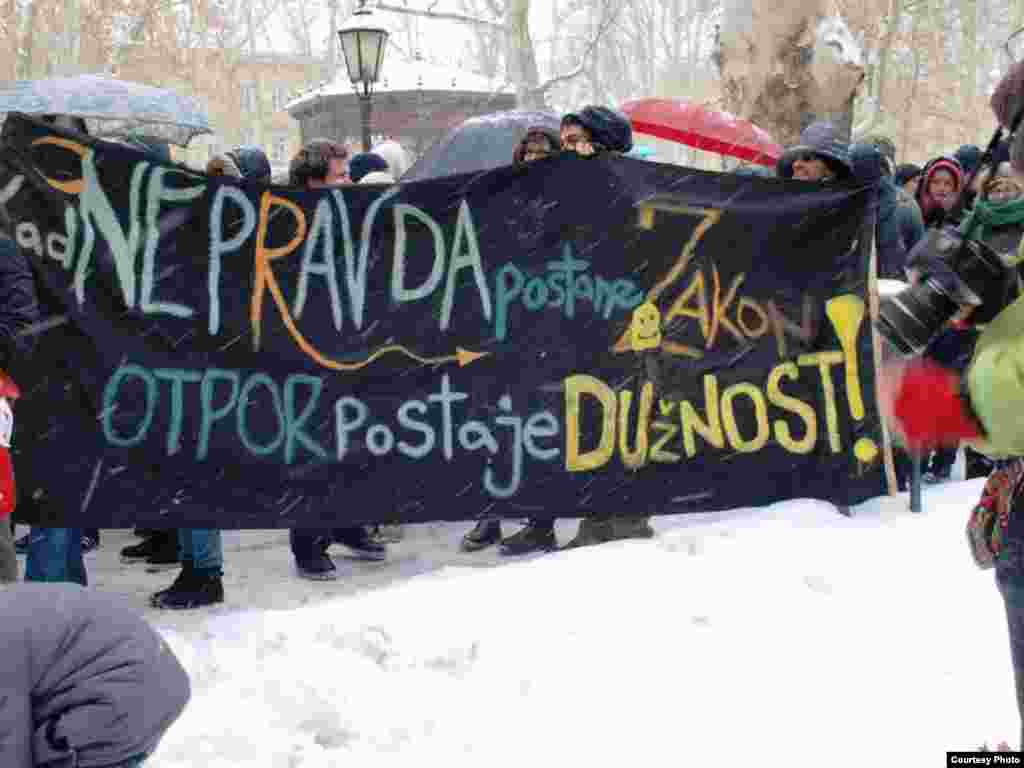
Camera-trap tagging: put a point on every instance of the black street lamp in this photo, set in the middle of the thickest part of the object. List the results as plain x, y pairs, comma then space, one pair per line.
363, 41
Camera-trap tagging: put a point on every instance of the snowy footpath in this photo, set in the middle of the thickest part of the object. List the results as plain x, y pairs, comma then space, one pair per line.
784, 635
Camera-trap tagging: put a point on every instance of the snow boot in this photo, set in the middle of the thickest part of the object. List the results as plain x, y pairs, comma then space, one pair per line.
484, 534
192, 589
361, 544
536, 536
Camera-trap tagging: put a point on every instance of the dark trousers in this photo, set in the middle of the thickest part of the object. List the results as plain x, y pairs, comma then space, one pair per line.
1010, 579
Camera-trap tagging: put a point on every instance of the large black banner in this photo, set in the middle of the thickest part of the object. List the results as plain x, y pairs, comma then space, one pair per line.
572, 336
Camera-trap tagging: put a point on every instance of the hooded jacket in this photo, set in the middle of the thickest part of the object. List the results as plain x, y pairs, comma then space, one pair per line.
823, 139
252, 163
899, 225
85, 682
931, 211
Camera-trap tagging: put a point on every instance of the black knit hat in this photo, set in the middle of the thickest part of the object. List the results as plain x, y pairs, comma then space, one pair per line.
607, 127
364, 163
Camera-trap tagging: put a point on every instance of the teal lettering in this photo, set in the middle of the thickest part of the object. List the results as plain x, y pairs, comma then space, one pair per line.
343, 425
463, 256
322, 227
178, 379
242, 415
110, 393
425, 429
504, 293
295, 432
208, 414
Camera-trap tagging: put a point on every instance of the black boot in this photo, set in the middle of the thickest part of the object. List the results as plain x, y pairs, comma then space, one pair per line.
536, 536
165, 554
360, 544
484, 534
192, 589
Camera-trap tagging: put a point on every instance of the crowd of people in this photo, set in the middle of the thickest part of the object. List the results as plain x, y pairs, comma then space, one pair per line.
910, 197
56, 554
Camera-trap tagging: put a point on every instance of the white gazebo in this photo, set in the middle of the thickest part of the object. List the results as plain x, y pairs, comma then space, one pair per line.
414, 102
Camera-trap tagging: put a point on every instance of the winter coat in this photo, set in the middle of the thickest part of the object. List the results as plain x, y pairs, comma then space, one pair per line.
85, 681
898, 222
822, 139
19, 307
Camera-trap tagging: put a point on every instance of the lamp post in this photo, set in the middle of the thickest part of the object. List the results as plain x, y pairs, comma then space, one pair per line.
363, 41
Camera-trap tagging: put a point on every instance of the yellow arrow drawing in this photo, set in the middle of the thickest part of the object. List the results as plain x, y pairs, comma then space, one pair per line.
462, 356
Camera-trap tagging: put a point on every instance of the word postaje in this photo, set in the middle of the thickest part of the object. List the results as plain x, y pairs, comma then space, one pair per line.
236, 223
230, 400
665, 436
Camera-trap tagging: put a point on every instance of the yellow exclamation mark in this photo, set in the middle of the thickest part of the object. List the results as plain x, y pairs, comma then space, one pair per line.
847, 313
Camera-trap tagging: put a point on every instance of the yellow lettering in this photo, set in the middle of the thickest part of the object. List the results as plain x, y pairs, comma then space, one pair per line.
710, 430
736, 440
701, 313
776, 396
575, 387
658, 452
719, 308
264, 280
824, 361
762, 317
637, 457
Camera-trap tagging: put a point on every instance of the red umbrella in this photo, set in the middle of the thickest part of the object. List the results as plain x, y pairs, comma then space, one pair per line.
697, 126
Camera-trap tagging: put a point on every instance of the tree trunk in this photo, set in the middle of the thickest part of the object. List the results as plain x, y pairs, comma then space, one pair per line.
783, 67
969, 68
519, 55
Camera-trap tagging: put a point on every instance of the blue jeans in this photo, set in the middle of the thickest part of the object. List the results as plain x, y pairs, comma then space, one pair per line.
55, 554
202, 547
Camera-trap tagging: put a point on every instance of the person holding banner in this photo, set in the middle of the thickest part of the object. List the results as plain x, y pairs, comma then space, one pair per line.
538, 534
821, 154
200, 580
324, 163
18, 309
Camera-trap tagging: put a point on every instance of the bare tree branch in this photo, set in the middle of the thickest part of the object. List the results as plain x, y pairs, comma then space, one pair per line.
444, 16
608, 18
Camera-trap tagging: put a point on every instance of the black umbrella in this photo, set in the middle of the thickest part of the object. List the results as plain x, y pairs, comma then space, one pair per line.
479, 144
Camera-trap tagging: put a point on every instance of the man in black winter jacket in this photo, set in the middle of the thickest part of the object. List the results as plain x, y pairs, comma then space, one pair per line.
18, 310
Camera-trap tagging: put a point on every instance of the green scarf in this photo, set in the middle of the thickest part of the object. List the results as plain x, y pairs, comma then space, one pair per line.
988, 216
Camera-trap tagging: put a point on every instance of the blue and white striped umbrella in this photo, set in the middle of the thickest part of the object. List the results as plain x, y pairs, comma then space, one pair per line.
110, 107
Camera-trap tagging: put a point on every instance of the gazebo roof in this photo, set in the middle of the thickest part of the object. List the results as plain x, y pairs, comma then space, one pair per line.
403, 76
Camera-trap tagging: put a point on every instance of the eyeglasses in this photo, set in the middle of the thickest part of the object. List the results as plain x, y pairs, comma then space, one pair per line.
570, 141
805, 157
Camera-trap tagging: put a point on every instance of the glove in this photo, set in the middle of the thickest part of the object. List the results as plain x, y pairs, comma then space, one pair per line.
929, 409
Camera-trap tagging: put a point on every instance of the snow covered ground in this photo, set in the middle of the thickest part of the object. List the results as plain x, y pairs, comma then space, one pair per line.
786, 635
